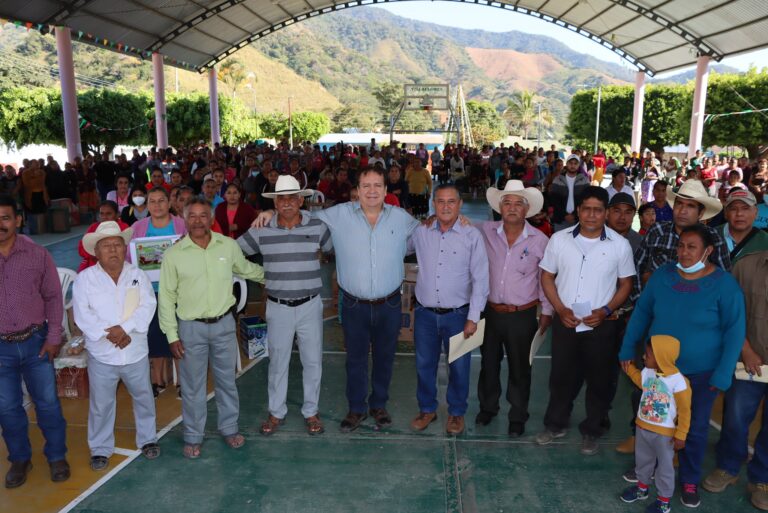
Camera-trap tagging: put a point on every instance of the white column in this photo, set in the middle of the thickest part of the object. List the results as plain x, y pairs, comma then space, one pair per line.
68, 93
699, 103
158, 77
637, 113
213, 94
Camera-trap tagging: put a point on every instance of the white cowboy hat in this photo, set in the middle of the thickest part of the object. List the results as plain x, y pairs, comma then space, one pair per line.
531, 194
105, 230
694, 190
286, 185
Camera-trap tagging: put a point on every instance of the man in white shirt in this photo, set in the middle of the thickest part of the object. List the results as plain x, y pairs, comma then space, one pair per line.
619, 184
587, 275
113, 305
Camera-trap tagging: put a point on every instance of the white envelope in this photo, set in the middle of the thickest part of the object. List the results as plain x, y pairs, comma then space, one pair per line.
581, 310
458, 346
536, 344
742, 374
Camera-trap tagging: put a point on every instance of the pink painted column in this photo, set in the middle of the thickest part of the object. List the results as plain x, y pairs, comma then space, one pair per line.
637, 113
213, 95
68, 93
158, 77
699, 103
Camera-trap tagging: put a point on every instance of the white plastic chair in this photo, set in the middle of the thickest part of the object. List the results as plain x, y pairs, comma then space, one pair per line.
317, 197
66, 278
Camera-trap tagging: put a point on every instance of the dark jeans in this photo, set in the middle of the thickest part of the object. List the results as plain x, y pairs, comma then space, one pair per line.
742, 401
365, 327
510, 333
431, 334
590, 357
20, 360
702, 399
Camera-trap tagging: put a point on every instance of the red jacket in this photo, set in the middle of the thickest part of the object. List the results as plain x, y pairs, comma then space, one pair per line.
89, 260
243, 218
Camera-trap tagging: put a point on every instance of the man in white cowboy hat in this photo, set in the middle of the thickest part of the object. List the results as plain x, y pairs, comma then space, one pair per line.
514, 249
113, 304
290, 243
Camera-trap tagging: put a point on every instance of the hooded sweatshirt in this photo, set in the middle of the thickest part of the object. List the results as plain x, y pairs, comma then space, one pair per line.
665, 406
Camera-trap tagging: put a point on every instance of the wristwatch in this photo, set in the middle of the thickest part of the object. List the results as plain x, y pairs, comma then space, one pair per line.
607, 310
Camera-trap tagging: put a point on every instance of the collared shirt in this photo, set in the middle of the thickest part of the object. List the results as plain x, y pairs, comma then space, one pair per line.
196, 283
291, 266
751, 272
514, 270
369, 260
587, 276
663, 213
31, 290
453, 267
634, 238
626, 189
99, 303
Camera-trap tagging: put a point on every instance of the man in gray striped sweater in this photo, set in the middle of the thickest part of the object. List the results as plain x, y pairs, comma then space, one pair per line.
290, 243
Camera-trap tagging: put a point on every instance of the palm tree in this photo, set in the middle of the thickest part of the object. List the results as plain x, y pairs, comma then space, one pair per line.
232, 73
522, 112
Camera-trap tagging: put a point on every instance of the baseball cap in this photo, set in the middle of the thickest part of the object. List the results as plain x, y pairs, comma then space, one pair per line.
573, 156
739, 194
622, 198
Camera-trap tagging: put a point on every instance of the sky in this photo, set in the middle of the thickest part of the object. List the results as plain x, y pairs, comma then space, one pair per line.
468, 16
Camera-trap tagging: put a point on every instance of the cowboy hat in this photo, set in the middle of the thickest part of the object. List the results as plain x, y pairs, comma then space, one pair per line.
694, 190
287, 185
531, 194
105, 230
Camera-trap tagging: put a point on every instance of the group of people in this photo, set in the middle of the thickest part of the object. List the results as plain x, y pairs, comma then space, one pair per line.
675, 307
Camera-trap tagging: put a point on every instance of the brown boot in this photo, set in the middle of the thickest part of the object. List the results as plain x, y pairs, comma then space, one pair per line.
455, 425
627, 446
422, 420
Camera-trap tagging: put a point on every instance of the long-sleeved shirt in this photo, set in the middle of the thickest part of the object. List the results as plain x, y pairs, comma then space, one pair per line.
369, 260
99, 303
196, 283
31, 290
515, 276
751, 272
453, 267
706, 315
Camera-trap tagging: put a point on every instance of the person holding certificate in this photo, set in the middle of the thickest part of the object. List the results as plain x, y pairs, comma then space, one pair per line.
451, 290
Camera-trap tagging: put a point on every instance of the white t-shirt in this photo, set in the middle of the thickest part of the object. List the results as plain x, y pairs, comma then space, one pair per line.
586, 244
570, 206
657, 404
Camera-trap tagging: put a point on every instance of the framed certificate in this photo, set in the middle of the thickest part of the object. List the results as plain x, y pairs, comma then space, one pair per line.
147, 253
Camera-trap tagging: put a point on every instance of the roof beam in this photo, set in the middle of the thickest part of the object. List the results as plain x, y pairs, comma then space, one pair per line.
171, 18
66, 11
596, 16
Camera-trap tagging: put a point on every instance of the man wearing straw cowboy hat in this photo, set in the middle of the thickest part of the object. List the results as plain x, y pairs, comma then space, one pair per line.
290, 243
514, 249
113, 304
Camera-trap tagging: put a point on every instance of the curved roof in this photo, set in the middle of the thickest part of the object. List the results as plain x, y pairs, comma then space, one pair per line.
654, 35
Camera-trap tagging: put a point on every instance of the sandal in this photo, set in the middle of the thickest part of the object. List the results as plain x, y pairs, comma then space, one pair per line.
235, 441
314, 425
270, 425
192, 451
151, 451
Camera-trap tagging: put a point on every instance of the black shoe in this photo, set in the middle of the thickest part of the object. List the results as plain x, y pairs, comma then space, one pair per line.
689, 496
352, 421
99, 463
155, 390
17, 474
484, 418
59, 471
381, 416
515, 429
605, 424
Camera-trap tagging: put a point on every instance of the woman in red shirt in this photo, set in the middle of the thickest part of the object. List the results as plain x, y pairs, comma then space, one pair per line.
234, 216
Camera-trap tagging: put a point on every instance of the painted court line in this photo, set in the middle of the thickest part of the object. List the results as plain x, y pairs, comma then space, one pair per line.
132, 455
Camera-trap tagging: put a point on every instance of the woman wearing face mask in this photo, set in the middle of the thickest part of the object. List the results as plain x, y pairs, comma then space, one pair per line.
703, 307
137, 206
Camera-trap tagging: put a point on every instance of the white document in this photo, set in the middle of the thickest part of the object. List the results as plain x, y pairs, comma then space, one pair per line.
581, 310
536, 344
458, 346
742, 374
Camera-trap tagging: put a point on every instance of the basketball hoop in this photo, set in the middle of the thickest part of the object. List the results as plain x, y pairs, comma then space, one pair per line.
426, 104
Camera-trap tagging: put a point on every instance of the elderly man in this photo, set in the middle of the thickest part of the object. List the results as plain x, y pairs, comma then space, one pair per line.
290, 244
196, 315
451, 290
739, 234
31, 309
113, 304
514, 249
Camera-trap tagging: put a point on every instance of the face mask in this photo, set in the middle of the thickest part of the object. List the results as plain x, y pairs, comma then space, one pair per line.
139, 200
698, 266
255, 173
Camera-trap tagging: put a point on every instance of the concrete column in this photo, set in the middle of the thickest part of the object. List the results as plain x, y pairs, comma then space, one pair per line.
213, 94
637, 113
68, 93
699, 102
158, 77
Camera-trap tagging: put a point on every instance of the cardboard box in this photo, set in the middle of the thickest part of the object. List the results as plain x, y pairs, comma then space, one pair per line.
36, 223
72, 383
253, 337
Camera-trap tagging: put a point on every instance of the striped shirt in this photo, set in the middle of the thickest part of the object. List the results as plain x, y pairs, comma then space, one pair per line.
291, 266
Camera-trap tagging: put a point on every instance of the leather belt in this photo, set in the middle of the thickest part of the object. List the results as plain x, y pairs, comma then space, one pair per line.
443, 311
377, 301
513, 308
213, 320
20, 336
291, 302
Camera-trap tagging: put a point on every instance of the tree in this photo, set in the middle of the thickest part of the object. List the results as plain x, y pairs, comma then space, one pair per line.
485, 122
273, 126
232, 74
310, 126
522, 112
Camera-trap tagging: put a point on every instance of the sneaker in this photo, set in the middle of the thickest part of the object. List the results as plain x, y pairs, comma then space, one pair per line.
589, 445
629, 476
633, 494
99, 463
689, 496
718, 481
547, 436
759, 495
659, 506
627, 446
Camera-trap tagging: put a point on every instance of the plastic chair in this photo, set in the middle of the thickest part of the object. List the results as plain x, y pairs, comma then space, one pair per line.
66, 278
317, 197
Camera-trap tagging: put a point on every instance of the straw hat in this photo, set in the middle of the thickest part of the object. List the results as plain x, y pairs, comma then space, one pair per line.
531, 194
287, 185
694, 190
105, 230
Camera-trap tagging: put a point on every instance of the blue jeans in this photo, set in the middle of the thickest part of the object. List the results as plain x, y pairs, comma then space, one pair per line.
691, 458
19, 360
365, 327
741, 403
431, 333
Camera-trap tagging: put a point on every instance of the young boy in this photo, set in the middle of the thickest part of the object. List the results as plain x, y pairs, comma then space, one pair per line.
662, 421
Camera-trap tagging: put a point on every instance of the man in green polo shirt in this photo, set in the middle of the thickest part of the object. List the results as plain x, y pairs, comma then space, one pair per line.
195, 313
